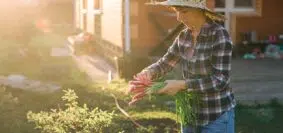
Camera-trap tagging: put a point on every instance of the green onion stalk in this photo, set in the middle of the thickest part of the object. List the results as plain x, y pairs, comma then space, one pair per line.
186, 103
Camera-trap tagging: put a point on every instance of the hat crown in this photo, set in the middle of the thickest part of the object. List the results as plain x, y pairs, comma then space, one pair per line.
189, 1
194, 3
201, 4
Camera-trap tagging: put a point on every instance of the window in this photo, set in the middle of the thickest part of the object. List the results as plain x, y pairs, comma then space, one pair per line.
97, 25
85, 21
97, 4
84, 4
226, 7
97, 10
220, 3
134, 8
244, 3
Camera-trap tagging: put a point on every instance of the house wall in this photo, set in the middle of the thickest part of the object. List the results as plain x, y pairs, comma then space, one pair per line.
109, 28
18, 18
112, 22
104, 19
150, 25
15, 19
59, 12
147, 30
269, 23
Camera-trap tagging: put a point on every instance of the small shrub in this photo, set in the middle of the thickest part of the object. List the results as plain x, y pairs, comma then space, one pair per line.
6, 98
149, 129
262, 115
72, 119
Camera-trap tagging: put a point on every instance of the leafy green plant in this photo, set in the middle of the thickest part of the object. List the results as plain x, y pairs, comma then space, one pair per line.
149, 129
186, 102
6, 98
74, 119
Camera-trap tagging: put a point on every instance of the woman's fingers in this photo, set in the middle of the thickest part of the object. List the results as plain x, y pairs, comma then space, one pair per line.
172, 93
143, 76
148, 75
167, 91
162, 91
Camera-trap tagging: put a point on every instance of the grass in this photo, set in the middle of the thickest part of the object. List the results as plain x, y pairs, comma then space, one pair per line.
260, 118
152, 113
37, 64
249, 119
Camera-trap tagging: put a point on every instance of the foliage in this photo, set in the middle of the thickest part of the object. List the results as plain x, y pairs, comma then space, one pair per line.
6, 98
186, 103
72, 119
154, 113
149, 129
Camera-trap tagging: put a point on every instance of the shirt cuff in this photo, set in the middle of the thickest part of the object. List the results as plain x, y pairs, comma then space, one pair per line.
151, 71
189, 84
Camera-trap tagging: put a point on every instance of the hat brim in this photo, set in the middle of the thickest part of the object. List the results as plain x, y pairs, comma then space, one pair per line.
168, 4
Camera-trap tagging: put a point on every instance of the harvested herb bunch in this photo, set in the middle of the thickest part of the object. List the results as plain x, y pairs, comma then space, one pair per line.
186, 103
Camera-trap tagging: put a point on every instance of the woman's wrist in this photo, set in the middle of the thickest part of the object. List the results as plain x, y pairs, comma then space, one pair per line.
183, 84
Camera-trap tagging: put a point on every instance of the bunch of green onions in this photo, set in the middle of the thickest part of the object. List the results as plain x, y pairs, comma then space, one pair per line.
186, 103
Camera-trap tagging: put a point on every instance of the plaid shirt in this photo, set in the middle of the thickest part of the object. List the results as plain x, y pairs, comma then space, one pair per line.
206, 71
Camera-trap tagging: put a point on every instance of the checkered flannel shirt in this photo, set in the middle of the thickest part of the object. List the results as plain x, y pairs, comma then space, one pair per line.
206, 72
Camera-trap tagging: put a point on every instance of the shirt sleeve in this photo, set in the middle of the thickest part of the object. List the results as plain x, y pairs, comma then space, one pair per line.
221, 66
167, 62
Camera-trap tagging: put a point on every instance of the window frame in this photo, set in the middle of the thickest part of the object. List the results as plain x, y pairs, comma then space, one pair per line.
230, 5
97, 9
220, 7
230, 8
245, 7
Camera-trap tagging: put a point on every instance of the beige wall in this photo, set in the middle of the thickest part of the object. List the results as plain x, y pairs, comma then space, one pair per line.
147, 35
270, 22
144, 33
112, 22
18, 17
15, 16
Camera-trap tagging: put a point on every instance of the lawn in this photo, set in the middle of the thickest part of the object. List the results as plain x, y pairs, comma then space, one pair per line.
153, 113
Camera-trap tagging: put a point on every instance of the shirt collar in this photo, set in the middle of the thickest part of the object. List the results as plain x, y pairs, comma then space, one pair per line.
204, 29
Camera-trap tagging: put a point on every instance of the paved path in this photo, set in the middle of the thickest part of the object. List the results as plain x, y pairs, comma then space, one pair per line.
95, 67
252, 80
259, 80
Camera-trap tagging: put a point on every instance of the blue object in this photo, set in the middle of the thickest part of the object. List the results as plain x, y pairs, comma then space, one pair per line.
249, 56
224, 124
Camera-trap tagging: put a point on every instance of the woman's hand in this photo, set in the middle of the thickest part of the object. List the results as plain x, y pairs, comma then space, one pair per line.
140, 81
144, 76
173, 87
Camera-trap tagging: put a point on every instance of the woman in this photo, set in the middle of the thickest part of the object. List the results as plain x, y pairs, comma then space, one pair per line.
204, 51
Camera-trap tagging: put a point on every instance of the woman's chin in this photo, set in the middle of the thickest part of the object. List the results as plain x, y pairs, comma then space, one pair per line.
188, 26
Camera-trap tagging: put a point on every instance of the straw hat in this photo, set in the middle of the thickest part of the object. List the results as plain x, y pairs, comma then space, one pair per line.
199, 4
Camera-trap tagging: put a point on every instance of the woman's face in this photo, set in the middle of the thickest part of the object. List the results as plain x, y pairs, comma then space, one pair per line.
188, 16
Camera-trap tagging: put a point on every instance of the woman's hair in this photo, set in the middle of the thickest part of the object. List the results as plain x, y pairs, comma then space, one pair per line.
214, 17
